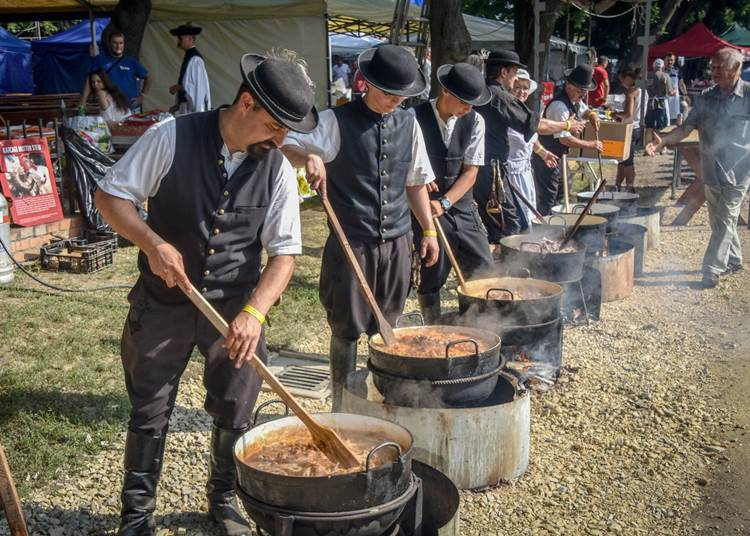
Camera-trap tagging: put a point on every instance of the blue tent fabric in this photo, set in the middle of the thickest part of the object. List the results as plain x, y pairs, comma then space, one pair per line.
62, 61
15, 64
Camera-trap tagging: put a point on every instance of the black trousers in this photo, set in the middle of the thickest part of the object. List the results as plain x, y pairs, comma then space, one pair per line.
468, 239
513, 220
387, 267
157, 342
548, 183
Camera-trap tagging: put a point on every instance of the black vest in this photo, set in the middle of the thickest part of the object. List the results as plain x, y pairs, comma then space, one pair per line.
367, 179
214, 223
549, 141
447, 162
189, 54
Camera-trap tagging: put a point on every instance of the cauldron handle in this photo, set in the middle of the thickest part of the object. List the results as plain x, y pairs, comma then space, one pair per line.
391, 444
265, 405
460, 341
413, 313
487, 296
553, 216
527, 275
576, 207
522, 244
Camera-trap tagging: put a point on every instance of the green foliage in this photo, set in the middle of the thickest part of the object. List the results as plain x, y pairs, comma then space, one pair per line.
490, 9
34, 29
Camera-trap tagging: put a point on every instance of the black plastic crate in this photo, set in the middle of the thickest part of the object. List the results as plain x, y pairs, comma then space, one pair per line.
81, 255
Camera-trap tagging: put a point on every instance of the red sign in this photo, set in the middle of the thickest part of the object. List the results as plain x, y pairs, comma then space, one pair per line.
29, 182
548, 93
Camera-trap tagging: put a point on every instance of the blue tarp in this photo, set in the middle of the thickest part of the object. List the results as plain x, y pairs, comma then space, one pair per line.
15, 64
62, 61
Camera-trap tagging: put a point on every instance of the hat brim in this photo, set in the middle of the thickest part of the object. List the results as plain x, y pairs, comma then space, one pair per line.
179, 31
305, 125
481, 100
415, 88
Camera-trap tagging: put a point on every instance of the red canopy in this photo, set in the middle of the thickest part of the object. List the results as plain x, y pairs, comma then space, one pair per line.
697, 42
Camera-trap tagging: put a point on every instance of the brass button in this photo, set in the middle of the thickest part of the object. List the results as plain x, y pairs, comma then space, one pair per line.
221, 161
384, 156
206, 272
384, 217
220, 211
226, 193
384, 187
204, 290
383, 173
215, 231
385, 202
211, 251
224, 174
384, 141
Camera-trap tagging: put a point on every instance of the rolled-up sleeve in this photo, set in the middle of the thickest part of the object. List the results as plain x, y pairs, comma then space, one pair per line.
138, 174
281, 233
557, 111
324, 141
420, 171
474, 154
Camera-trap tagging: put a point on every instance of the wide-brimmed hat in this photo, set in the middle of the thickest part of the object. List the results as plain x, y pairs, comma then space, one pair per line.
392, 69
582, 77
282, 89
505, 57
186, 29
523, 74
465, 82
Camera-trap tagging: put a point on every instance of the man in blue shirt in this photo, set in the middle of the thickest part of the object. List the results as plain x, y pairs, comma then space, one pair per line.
125, 71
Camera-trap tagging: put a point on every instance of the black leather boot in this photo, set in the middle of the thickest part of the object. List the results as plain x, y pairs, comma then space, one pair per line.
143, 456
343, 357
429, 304
222, 478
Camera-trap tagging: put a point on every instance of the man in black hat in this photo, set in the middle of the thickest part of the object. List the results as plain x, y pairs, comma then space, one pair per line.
568, 106
368, 157
503, 112
454, 136
219, 191
192, 88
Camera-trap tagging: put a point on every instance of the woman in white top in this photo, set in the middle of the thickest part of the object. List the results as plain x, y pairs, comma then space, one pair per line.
520, 173
113, 104
630, 114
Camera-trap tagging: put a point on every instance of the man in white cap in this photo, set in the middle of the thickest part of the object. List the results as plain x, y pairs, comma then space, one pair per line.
192, 91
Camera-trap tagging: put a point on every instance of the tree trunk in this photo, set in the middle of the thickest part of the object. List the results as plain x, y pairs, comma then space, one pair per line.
450, 40
130, 17
524, 29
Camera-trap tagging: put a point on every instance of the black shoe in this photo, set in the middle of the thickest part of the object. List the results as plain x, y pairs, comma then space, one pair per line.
732, 268
143, 457
222, 478
343, 358
429, 305
709, 280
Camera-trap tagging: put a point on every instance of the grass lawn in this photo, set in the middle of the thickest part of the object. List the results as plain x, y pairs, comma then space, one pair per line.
62, 394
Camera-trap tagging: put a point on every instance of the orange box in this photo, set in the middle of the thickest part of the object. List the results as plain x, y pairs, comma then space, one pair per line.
615, 137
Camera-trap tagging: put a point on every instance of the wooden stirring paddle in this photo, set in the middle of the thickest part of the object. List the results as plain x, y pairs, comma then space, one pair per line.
326, 439
577, 224
384, 328
451, 257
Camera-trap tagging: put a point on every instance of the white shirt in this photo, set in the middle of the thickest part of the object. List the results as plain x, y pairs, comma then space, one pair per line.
325, 141
557, 111
341, 71
112, 114
474, 153
138, 174
195, 84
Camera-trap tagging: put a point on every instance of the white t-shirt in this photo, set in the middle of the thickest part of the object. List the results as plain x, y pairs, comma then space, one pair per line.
341, 71
557, 111
138, 174
196, 86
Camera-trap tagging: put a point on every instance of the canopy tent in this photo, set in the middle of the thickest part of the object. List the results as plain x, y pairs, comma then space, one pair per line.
349, 46
61, 61
697, 42
15, 64
737, 35
19, 9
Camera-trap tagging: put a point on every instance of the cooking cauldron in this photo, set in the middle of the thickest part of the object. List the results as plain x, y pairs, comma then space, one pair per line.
504, 297
627, 201
597, 209
374, 486
591, 233
524, 251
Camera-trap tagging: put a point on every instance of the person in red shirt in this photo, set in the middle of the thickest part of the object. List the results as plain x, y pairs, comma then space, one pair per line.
598, 97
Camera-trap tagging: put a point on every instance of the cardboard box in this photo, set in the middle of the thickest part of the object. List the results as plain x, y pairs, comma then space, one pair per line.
615, 137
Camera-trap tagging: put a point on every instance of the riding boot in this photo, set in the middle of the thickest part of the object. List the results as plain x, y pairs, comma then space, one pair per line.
143, 458
222, 477
343, 357
429, 304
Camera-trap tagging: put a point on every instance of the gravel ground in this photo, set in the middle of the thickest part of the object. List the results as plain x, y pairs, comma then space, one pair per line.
622, 446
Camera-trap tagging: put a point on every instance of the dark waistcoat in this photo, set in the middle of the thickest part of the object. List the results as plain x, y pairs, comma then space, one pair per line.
447, 162
189, 55
214, 223
367, 179
550, 142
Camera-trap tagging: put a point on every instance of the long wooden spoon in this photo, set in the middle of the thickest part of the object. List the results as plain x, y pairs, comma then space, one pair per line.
325, 438
384, 328
451, 257
577, 224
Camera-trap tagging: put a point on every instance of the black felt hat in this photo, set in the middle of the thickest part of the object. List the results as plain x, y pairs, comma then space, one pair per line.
465, 82
582, 77
392, 69
186, 29
505, 57
282, 89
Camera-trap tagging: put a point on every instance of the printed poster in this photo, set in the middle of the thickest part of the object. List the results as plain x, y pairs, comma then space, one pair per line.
27, 179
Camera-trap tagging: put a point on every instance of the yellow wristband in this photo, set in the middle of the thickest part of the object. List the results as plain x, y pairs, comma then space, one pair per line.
429, 233
568, 125
260, 317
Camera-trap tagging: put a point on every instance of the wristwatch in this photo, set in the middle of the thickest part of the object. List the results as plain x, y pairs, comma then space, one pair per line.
445, 203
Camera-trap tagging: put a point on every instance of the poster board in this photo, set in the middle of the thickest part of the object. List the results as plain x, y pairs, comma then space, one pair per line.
28, 180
